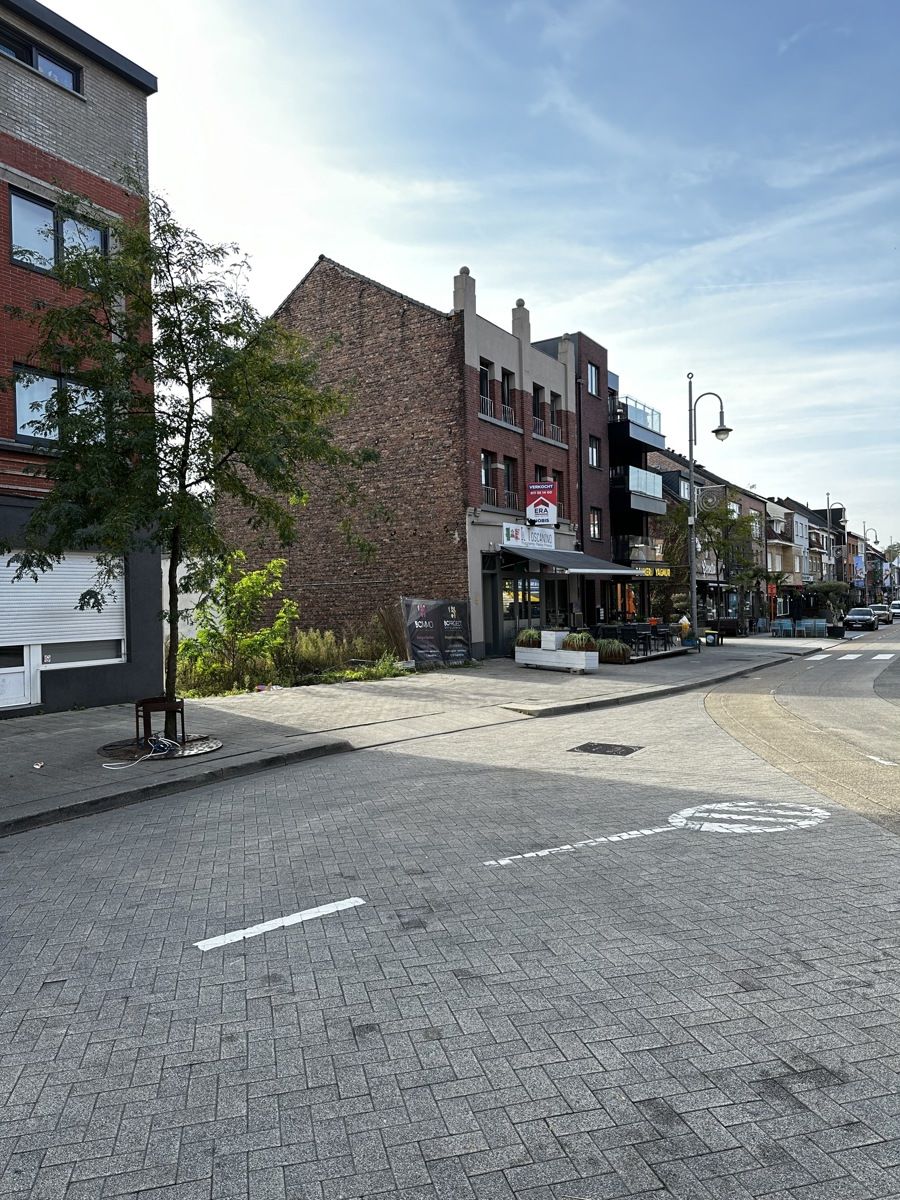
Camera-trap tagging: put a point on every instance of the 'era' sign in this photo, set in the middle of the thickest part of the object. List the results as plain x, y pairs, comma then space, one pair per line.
542, 502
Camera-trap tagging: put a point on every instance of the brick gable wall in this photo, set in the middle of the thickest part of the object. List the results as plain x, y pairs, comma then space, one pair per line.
402, 365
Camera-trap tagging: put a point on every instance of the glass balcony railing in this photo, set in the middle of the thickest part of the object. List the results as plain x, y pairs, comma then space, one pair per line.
626, 408
648, 483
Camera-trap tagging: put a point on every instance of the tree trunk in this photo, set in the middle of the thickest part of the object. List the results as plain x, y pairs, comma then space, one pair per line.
171, 727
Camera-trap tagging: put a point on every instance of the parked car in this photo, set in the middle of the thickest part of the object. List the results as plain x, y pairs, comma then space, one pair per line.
883, 613
860, 618
895, 609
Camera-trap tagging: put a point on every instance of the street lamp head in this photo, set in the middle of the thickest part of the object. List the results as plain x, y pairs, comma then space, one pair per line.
722, 431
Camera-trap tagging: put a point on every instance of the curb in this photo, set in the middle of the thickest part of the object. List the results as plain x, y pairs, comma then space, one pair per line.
247, 764
675, 689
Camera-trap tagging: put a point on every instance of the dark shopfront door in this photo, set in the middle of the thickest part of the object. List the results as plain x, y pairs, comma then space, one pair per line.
511, 600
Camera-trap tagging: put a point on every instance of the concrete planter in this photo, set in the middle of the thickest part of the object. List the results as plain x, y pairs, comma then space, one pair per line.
558, 660
552, 639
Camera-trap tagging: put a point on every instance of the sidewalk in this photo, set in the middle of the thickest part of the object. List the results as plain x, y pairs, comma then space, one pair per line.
270, 729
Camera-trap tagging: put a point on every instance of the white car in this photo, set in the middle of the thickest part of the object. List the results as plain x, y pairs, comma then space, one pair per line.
895, 609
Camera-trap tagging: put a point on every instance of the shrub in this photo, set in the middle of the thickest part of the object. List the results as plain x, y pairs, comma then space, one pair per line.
612, 651
580, 640
528, 637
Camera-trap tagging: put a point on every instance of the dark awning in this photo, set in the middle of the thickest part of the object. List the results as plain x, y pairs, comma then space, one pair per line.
574, 562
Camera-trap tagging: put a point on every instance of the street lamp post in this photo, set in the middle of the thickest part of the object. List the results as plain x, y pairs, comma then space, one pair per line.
829, 506
721, 431
867, 529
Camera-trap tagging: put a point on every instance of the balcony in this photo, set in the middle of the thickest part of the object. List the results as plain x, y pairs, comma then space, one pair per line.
555, 433
510, 499
488, 495
537, 425
636, 489
629, 420
485, 406
508, 414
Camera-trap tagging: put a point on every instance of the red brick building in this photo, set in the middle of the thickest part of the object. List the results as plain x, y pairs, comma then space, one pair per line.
463, 415
73, 119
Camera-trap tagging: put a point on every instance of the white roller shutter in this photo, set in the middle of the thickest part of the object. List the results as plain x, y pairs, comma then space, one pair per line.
47, 611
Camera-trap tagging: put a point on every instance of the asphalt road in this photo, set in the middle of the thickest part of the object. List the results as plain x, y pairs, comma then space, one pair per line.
544, 988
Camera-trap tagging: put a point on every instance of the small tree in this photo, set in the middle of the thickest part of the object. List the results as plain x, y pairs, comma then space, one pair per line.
149, 430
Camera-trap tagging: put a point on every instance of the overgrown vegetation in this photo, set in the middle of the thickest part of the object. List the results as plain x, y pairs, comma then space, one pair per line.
234, 650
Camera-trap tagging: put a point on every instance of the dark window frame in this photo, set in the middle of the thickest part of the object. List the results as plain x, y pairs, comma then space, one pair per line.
27, 51
60, 381
593, 369
595, 524
594, 444
58, 220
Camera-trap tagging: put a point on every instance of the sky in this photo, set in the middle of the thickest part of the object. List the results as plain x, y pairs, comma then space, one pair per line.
709, 186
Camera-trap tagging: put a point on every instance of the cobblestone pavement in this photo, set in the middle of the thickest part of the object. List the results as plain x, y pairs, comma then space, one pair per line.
672, 1014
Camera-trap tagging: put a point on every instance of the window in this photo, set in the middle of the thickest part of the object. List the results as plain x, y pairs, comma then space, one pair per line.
484, 379
734, 508
593, 380
506, 397
540, 473
34, 392
41, 234
488, 488
756, 525
537, 401
558, 480
593, 451
684, 487
596, 523
15, 45
556, 416
510, 496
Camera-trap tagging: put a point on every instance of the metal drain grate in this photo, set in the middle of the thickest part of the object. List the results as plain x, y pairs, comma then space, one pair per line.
605, 748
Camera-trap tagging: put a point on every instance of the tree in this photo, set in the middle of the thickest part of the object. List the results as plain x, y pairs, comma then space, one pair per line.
149, 430
724, 535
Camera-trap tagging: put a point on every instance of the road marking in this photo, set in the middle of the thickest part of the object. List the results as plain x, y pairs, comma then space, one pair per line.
817, 658
308, 914
570, 846
885, 762
736, 816
748, 816
882, 657
846, 657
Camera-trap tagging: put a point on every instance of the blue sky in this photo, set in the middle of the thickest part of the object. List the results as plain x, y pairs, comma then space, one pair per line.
710, 186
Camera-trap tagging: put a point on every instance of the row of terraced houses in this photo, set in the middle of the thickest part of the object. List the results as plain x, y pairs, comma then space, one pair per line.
464, 416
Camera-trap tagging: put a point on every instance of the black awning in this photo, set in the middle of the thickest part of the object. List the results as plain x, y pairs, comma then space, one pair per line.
574, 562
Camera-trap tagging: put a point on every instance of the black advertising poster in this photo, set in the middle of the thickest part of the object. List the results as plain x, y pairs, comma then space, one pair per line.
437, 630
455, 624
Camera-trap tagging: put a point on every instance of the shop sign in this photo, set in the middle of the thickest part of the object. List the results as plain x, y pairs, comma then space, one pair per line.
542, 501
653, 572
529, 537
437, 630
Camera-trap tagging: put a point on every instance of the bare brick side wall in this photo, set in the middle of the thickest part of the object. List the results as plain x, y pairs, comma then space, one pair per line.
402, 365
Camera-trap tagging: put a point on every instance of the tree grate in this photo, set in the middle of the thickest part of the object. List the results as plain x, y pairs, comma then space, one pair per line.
604, 748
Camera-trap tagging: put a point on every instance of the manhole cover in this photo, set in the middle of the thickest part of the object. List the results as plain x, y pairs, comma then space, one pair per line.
130, 751
748, 816
604, 748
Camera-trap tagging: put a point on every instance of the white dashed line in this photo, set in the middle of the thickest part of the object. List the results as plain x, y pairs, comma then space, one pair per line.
308, 914
884, 762
570, 846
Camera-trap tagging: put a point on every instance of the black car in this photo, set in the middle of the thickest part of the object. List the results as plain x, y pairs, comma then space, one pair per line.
861, 618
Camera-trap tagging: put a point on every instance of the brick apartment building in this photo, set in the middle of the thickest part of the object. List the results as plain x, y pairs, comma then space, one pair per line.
73, 117
463, 414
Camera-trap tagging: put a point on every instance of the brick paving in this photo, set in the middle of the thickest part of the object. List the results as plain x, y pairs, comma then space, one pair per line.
680, 1015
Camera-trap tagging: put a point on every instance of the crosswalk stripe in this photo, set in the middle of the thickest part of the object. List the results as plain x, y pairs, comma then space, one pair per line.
882, 657
845, 657
817, 658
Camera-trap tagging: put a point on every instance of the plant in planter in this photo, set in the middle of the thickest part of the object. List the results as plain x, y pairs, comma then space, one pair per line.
528, 637
580, 640
610, 650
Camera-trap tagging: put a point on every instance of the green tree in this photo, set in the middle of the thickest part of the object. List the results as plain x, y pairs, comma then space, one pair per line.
230, 616
149, 430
